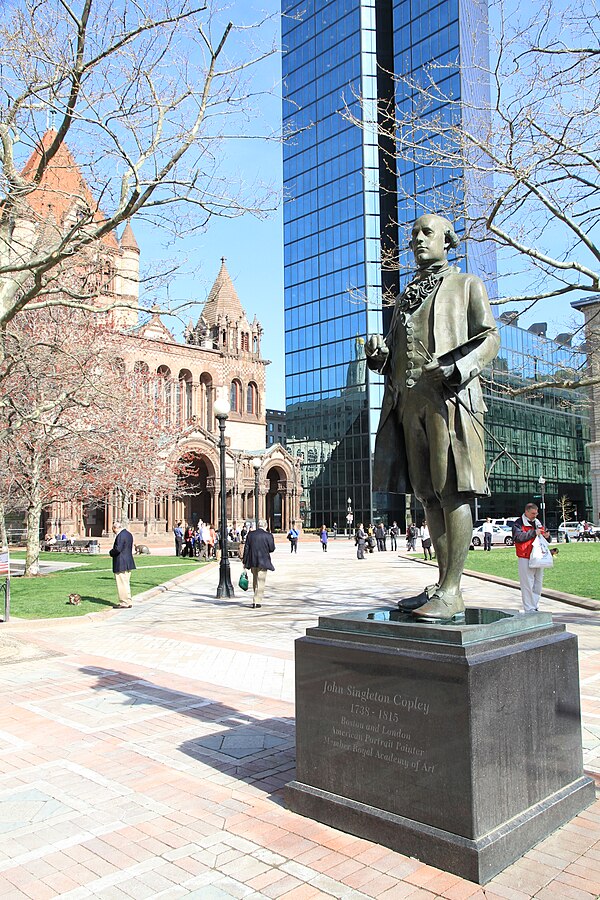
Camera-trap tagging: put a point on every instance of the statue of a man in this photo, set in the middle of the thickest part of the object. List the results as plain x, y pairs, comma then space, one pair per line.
430, 436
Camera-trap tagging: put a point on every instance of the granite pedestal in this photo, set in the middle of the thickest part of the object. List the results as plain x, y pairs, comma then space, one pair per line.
456, 744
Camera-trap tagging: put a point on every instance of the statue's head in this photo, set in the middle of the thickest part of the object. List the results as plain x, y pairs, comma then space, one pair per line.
431, 238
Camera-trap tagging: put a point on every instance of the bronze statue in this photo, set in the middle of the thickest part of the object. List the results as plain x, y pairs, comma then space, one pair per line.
430, 436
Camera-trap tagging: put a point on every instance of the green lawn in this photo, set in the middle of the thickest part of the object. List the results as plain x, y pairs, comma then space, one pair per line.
45, 597
576, 569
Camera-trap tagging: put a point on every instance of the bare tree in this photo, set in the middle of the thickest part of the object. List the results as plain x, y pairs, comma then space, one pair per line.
566, 508
148, 92
518, 165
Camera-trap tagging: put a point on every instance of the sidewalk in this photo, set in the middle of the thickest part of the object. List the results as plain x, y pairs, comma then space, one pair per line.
143, 752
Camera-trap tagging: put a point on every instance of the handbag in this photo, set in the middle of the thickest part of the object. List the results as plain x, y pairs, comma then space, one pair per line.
243, 582
540, 558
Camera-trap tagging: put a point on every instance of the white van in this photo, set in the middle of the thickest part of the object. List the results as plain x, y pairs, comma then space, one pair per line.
569, 528
506, 521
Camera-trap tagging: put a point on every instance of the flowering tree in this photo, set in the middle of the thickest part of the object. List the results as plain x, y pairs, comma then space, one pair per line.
73, 425
136, 456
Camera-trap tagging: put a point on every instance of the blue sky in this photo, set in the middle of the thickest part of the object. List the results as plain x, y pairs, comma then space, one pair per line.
253, 246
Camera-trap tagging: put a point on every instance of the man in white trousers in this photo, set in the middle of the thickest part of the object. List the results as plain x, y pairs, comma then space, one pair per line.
524, 532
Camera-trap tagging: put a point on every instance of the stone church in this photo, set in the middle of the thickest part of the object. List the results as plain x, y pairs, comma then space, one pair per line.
218, 357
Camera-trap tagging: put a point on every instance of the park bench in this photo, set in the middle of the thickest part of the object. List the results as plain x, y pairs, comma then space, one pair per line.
56, 545
86, 545
233, 549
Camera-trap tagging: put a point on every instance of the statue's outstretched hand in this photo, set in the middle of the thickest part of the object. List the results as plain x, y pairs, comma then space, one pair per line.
435, 373
377, 350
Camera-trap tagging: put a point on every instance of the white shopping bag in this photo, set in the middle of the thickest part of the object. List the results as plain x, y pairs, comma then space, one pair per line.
540, 558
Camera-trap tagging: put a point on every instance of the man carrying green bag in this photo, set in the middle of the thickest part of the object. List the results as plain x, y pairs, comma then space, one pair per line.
257, 557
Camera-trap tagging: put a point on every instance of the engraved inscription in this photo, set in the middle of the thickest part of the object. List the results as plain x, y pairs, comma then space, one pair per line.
376, 725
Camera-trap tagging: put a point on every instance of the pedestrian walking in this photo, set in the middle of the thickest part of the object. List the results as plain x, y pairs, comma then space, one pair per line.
487, 529
324, 538
122, 563
178, 534
188, 541
524, 532
293, 537
380, 537
258, 547
412, 533
394, 532
371, 541
360, 539
425, 541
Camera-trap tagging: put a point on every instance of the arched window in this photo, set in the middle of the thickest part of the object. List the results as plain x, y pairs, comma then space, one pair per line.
163, 393
206, 401
118, 366
252, 399
108, 277
185, 394
141, 374
235, 396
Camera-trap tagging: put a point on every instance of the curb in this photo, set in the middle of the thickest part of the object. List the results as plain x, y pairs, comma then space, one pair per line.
561, 596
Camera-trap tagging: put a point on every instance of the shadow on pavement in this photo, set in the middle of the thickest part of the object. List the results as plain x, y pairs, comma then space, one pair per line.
259, 751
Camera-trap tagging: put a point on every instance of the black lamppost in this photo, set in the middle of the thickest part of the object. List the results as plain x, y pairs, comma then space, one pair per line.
542, 484
225, 588
256, 462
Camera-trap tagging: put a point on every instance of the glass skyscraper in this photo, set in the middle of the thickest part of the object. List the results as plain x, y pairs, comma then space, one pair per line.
348, 207
332, 228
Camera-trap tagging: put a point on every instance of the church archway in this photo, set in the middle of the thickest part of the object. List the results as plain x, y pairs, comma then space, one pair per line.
274, 500
195, 499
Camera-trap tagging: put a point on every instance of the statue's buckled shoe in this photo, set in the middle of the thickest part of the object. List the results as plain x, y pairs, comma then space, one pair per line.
409, 604
442, 607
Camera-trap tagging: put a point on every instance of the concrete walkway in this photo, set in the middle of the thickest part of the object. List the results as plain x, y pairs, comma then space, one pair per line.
143, 752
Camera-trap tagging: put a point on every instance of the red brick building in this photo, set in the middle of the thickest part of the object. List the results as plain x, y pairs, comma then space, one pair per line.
218, 357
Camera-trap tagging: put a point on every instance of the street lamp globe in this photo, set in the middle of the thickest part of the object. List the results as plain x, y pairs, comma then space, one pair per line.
221, 408
257, 463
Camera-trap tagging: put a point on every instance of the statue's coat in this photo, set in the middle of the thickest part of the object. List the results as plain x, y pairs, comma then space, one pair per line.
464, 333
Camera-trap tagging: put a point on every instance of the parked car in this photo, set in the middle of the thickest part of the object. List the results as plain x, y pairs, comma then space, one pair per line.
502, 534
504, 521
569, 528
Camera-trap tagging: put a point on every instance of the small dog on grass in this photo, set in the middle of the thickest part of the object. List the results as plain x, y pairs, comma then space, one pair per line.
74, 599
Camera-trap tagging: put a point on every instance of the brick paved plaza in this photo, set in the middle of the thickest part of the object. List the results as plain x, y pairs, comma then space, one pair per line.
144, 751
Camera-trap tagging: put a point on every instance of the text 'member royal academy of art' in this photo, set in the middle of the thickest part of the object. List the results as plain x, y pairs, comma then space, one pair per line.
219, 357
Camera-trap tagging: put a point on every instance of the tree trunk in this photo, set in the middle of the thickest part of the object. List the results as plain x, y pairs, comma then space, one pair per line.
32, 556
3, 531
124, 497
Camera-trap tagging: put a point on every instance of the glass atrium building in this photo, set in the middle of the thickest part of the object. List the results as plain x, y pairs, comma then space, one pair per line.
347, 208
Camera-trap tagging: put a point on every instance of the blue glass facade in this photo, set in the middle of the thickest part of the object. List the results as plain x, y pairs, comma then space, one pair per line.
348, 206
546, 431
332, 250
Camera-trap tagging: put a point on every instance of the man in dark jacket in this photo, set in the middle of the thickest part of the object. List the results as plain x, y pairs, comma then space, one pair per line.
122, 563
257, 557
178, 533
